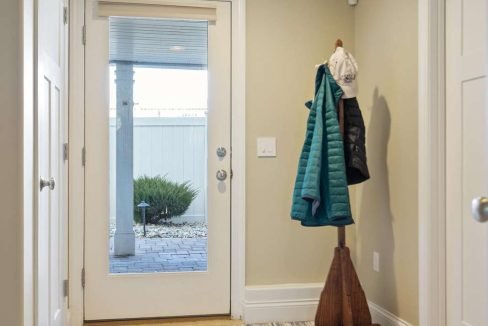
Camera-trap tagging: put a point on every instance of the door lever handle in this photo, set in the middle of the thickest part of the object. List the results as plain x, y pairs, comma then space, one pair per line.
221, 175
479, 209
51, 183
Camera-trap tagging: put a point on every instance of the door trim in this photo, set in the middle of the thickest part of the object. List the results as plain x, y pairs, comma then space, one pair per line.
432, 162
76, 177
26, 156
238, 141
76, 142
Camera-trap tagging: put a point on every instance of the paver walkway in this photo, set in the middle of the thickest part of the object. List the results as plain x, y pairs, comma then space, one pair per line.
162, 255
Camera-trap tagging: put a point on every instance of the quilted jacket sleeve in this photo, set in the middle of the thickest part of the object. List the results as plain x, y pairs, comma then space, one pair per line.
334, 189
311, 181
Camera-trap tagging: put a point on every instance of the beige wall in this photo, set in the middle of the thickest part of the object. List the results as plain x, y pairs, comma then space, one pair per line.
10, 218
285, 40
386, 206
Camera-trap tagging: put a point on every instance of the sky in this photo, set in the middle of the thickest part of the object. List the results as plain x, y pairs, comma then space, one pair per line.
166, 88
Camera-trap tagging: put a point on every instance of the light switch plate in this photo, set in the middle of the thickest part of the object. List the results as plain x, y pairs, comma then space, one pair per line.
266, 147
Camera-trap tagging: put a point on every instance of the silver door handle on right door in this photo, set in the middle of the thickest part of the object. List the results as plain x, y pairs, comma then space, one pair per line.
479, 209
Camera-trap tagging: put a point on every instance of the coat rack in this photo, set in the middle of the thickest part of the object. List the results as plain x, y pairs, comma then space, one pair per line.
342, 301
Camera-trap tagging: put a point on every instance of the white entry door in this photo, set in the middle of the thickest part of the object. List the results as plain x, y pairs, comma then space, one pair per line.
51, 230
467, 162
157, 108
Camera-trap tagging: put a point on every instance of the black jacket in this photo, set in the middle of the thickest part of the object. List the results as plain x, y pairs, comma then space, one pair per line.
354, 143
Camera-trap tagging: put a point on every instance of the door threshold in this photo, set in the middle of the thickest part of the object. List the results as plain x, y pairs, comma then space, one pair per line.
219, 320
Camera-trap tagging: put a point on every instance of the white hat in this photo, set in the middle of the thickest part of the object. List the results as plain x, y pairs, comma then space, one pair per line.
344, 69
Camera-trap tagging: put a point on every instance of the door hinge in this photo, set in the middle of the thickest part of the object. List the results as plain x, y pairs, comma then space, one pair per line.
83, 156
65, 151
65, 288
231, 173
65, 15
83, 35
83, 277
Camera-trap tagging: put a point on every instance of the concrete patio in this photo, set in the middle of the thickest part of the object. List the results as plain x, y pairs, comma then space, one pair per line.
162, 255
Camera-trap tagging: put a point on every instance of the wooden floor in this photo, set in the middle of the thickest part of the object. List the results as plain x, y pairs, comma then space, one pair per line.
206, 321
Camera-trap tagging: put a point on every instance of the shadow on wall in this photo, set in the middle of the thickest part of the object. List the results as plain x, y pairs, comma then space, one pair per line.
375, 217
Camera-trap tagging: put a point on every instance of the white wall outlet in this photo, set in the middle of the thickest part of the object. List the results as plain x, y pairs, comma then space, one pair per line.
266, 147
376, 261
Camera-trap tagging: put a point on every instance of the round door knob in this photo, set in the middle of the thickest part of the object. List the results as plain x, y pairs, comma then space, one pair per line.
51, 183
479, 209
221, 175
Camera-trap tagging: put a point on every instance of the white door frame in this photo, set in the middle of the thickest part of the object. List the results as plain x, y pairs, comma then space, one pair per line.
432, 162
26, 156
76, 136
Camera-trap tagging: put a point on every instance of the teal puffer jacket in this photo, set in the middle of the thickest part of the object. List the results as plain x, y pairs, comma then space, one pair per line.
321, 196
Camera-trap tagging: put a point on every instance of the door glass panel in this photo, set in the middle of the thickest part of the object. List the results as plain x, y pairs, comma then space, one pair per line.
158, 145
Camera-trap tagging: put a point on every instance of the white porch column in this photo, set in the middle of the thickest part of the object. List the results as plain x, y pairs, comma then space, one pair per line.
124, 238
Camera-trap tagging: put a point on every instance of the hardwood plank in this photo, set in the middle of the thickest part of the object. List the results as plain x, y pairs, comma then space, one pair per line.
192, 321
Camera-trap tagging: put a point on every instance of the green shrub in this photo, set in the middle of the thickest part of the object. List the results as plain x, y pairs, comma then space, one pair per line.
166, 198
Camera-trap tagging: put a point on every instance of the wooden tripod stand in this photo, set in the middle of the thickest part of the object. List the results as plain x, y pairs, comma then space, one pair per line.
342, 302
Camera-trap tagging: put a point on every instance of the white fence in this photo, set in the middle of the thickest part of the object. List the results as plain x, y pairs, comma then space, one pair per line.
172, 147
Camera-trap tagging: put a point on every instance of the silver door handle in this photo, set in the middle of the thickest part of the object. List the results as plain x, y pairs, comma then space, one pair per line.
221, 152
221, 175
479, 209
51, 183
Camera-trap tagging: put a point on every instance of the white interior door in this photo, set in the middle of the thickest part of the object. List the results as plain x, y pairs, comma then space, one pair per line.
467, 162
157, 104
51, 209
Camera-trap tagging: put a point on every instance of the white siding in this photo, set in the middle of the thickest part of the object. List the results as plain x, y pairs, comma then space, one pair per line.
175, 147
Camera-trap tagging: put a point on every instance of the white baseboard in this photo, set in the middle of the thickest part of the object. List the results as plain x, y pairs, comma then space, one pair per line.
297, 302
280, 303
384, 317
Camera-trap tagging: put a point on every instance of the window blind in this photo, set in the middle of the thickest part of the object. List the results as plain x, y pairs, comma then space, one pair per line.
155, 9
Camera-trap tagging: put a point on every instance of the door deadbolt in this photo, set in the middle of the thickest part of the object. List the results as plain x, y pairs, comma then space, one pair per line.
221, 152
